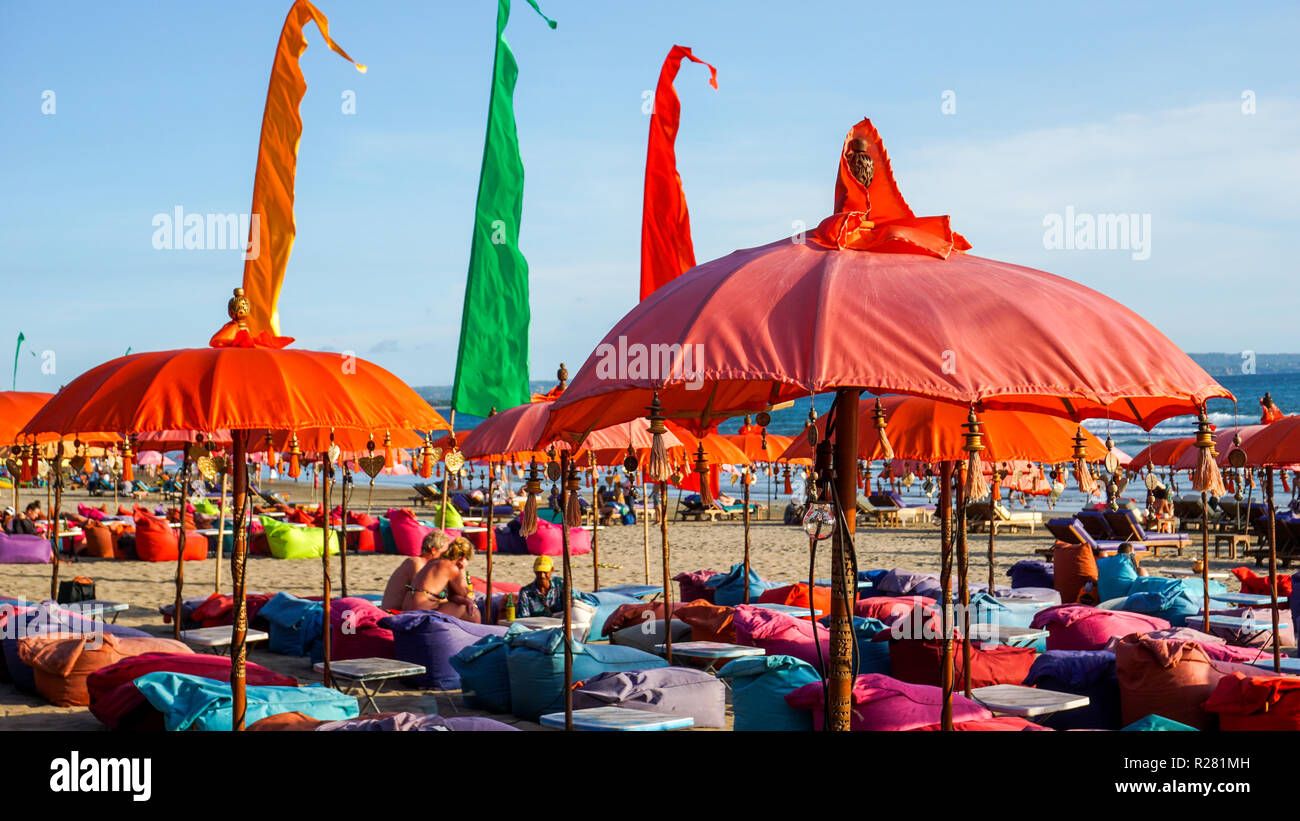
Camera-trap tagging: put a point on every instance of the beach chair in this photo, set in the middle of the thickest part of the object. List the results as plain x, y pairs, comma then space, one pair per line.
1094, 521
1188, 510
1288, 539
423, 495
692, 507
1016, 520
876, 514
1072, 531
1126, 527
270, 499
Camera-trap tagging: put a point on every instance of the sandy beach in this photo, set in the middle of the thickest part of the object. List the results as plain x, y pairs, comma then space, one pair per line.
779, 552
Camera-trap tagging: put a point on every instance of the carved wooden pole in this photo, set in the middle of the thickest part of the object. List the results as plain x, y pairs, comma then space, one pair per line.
840, 684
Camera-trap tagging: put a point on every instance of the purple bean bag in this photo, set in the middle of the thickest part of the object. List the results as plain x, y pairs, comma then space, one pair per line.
906, 583
19, 548
430, 638
673, 690
415, 722
884, 703
692, 585
1031, 573
1080, 627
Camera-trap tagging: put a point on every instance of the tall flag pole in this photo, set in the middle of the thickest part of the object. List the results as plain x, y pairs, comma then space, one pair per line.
666, 248
492, 359
17, 348
271, 229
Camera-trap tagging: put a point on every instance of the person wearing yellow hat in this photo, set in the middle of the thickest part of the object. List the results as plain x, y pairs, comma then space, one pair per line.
545, 596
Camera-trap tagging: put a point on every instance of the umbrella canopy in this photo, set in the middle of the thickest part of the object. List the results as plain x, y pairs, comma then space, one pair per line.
1275, 445
1222, 444
152, 458
930, 431
1164, 453
349, 440
516, 433
177, 439
718, 449
16, 408
759, 449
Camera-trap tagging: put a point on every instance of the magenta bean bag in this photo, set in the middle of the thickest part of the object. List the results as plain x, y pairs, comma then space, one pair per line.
355, 632
19, 548
89, 512
779, 634
692, 585
549, 540
884, 703
408, 534
1080, 627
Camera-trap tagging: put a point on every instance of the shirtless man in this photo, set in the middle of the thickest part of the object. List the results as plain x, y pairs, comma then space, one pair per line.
440, 584
430, 549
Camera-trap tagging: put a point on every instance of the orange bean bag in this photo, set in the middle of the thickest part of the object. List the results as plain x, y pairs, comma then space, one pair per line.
919, 661
708, 621
61, 662
631, 615
1073, 566
796, 595
1170, 678
155, 541
101, 541
1266, 702
292, 721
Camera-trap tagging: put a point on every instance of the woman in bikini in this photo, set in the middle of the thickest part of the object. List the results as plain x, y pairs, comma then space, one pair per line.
398, 586
441, 584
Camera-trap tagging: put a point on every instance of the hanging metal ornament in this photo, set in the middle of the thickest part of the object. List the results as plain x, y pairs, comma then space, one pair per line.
630, 462
1112, 458
1237, 454
810, 430
372, 464
553, 471
78, 460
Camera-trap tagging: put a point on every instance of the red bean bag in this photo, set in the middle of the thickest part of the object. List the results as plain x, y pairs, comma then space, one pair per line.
1245, 702
1073, 566
880, 702
1080, 627
362, 541
302, 517
549, 540
708, 621
498, 586
290, 722
1214, 647
63, 661
796, 595
219, 609
101, 541
116, 702
1169, 678
895, 609
258, 544
480, 540
919, 662
636, 614
1251, 582
692, 585
155, 541
999, 723
355, 632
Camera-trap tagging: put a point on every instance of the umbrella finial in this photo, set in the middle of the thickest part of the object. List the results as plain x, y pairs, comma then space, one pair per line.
886, 447
702, 470
976, 487
1206, 478
562, 376
239, 309
657, 467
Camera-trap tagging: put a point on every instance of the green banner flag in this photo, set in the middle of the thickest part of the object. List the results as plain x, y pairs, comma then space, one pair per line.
492, 361
17, 349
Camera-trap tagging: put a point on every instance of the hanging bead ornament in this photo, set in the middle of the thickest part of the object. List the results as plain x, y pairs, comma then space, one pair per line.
657, 468
532, 488
1082, 474
977, 488
1206, 478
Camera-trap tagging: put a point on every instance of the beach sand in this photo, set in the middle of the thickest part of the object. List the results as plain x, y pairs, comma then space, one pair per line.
778, 552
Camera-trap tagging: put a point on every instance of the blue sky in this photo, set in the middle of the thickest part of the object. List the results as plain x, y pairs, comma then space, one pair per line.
1103, 108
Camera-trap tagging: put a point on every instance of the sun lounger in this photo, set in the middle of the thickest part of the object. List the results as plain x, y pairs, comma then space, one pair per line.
424, 495
881, 515
1072, 531
1126, 527
270, 499
978, 517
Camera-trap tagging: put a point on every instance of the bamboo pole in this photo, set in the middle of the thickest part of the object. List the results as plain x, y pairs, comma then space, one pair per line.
343, 534
221, 530
446, 478
57, 479
744, 478
840, 684
325, 474
1272, 570
1205, 558
595, 525
645, 524
238, 560
182, 481
568, 593
963, 581
491, 538
945, 584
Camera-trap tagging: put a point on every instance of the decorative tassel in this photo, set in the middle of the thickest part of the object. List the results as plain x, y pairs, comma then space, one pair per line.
657, 467
426, 461
528, 518
1286, 487
702, 470
272, 458
295, 460
977, 489
788, 489
1206, 478
572, 501
886, 449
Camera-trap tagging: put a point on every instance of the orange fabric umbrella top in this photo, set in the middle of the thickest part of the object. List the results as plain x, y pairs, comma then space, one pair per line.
930, 431
177, 439
516, 433
1223, 437
234, 388
16, 408
718, 449
350, 440
1164, 453
1274, 445
753, 445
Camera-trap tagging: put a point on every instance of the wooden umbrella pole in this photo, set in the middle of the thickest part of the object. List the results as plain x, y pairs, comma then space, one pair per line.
744, 478
183, 482
446, 478
343, 531
221, 531
568, 593
1272, 568
840, 685
1205, 558
595, 529
645, 525
54, 518
945, 583
963, 583
238, 559
491, 540
668, 591
326, 470
993, 534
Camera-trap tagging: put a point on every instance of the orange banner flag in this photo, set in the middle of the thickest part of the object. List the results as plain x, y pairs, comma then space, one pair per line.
272, 229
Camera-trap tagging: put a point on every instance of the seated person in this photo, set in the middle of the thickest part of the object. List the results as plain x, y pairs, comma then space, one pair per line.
26, 523
1126, 549
544, 596
396, 589
442, 584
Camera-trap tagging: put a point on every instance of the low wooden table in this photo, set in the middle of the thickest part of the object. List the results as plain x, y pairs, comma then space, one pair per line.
1290, 665
619, 719
636, 591
1233, 540
1181, 573
1006, 634
709, 652
217, 639
1251, 599
98, 607
1026, 702
368, 676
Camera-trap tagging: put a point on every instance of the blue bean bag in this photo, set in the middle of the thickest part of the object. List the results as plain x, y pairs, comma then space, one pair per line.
296, 626
759, 685
1115, 576
606, 604
430, 639
484, 675
1088, 673
195, 703
1157, 723
536, 662
47, 617
729, 588
1031, 573
873, 656
1174, 600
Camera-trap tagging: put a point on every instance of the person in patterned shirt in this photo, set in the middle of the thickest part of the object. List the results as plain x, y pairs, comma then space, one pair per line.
545, 596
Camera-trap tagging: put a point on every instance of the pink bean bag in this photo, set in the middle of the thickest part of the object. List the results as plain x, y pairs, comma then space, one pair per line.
884, 703
408, 534
1080, 627
892, 609
549, 540
355, 632
779, 634
1215, 647
692, 585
